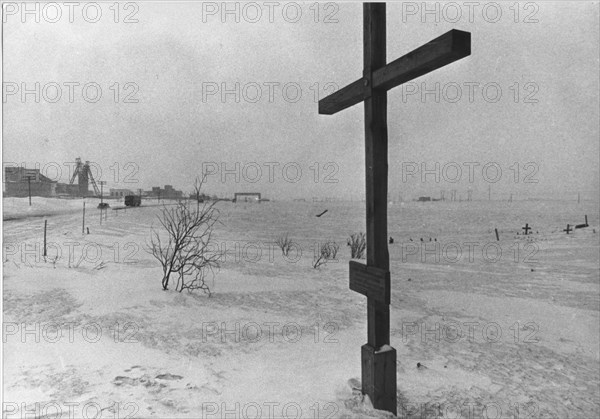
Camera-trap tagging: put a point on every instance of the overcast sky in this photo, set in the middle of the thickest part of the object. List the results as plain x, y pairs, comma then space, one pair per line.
170, 63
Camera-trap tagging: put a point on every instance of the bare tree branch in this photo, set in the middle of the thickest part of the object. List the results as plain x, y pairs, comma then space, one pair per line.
187, 250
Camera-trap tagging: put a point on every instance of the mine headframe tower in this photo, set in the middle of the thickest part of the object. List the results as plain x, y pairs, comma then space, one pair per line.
84, 174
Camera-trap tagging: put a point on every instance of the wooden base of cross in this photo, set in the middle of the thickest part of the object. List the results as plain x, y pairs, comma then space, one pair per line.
378, 358
379, 376
373, 279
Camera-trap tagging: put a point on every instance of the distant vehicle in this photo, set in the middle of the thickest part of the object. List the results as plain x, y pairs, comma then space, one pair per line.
133, 200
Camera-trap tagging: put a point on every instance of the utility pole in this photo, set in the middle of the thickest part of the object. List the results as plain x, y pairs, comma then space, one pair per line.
29, 188
102, 183
45, 226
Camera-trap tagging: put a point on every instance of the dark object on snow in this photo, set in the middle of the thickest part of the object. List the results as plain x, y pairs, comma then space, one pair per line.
584, 225
318, 215
391, 240
169, 376
88, 230
133, 200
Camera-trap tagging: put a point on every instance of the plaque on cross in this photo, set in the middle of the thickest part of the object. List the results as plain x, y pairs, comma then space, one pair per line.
373, 280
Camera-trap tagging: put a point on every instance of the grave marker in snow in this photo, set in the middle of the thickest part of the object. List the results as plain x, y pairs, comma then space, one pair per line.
373, 280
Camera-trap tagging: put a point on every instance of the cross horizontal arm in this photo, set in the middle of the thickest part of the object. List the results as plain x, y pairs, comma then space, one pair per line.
446, 49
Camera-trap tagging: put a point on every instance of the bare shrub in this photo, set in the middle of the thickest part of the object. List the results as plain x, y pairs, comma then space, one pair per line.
187, 250
327, 252
285, 243
357, 243
198, 196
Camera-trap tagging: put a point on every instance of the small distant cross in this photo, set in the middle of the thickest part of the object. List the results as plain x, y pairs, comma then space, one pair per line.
568, 229
526, 228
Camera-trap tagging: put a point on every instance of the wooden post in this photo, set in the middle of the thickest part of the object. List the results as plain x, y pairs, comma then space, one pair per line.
378, 363
497, 236
102, 182
45, 226
29, 188
376, 162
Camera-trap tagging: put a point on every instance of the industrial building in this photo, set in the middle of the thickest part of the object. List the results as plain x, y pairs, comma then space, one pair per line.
167, 193
19, 181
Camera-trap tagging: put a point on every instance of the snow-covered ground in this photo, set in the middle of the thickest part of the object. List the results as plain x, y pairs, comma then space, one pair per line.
500, 329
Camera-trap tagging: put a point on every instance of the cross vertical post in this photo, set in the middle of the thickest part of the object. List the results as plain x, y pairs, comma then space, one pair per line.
376, 162
378, 367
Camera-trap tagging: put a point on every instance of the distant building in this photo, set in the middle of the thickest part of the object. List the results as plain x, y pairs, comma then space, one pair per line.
424, 199
247, 197
119, 193
72, 190
17, 184
167, 193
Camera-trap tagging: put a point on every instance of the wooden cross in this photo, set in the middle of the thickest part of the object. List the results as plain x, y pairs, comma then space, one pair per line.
373, 280
526, 228
568, 229
584, 224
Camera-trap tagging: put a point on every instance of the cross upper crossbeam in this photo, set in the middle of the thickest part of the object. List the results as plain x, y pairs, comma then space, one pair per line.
446, 49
